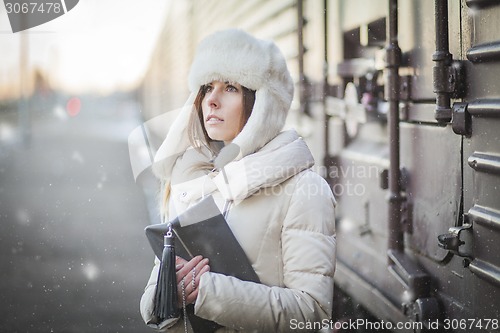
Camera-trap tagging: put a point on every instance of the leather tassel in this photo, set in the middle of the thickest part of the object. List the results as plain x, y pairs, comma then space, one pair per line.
165, 306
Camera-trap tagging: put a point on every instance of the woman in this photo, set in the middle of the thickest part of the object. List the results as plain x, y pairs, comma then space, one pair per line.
230, 145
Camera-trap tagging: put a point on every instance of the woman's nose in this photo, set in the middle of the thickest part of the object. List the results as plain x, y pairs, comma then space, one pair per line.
213, 99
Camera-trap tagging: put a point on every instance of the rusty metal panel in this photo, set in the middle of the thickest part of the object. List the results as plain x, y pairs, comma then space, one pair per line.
432, 156
362, 211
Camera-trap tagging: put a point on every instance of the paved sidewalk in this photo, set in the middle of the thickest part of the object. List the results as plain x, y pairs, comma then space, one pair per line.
73, 254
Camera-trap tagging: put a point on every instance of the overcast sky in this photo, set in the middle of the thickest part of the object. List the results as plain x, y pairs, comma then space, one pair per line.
99, 45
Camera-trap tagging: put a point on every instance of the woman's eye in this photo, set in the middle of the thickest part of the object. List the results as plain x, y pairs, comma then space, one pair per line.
231, 88
208, 88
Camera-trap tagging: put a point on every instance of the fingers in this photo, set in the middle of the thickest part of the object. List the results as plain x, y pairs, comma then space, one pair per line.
187, 266
192, 289
191, 272
192, 277
180, 261
192, 280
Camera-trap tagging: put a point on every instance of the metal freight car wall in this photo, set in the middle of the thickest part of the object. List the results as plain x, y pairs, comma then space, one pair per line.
357, 148
295, 25
448, 150
481, 158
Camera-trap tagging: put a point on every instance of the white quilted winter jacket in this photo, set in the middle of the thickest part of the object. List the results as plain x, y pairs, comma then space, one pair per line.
282, 214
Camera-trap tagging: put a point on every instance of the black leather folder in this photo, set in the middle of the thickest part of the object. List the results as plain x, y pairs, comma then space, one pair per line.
203, 230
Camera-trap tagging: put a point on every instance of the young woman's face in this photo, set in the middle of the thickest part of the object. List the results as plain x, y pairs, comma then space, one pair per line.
222, 109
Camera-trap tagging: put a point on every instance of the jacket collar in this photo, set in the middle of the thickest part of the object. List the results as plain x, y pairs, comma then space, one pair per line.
282, 158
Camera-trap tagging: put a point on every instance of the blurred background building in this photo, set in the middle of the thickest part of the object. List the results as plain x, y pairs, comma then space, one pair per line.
73, 254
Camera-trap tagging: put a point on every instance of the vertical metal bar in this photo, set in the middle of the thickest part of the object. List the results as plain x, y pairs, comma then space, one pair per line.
326, 87
393, 59
443, 59
300, 59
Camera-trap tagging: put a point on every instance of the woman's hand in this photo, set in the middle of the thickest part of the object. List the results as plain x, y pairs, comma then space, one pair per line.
185, 270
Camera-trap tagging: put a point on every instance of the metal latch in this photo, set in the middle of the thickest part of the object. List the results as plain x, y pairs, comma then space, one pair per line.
458, 240
461, 120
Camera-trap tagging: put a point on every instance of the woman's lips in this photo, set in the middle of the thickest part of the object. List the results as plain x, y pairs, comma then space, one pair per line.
212, 119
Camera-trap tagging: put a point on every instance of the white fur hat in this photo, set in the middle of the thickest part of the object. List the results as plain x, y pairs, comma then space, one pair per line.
235, 56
